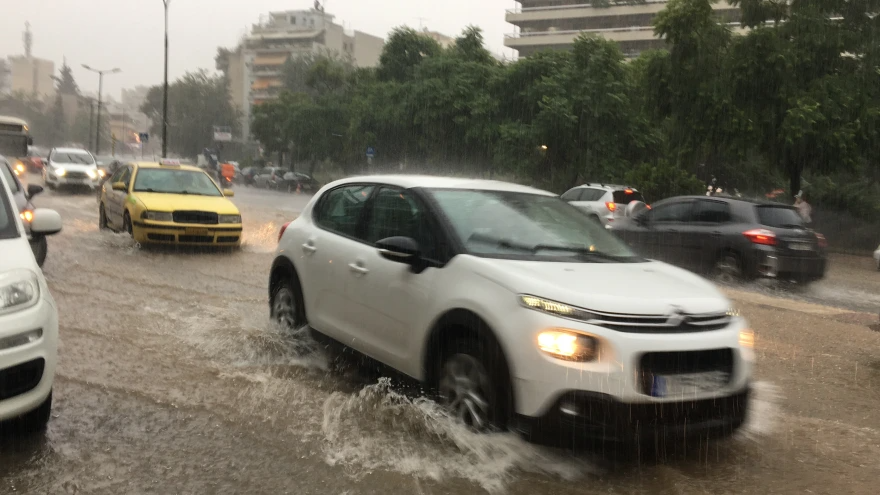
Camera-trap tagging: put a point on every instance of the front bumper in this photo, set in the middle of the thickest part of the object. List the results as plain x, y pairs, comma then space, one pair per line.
64, 180
28, 371
147, 232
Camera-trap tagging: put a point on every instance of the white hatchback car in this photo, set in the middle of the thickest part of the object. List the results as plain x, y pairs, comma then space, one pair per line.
515, 307
72, 167
28, 318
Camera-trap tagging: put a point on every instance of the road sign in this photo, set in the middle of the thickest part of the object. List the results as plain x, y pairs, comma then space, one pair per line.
144, 137
371, 152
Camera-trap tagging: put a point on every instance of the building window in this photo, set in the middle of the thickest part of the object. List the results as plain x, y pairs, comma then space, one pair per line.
293, 20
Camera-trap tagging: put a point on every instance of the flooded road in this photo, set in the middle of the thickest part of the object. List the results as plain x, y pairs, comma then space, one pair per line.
172, 380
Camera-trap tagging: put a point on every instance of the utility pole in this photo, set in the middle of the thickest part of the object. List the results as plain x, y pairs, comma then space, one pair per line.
91, 119
165, 88
100, 73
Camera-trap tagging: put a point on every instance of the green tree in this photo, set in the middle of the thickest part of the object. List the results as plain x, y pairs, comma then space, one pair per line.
403, 52
65, 82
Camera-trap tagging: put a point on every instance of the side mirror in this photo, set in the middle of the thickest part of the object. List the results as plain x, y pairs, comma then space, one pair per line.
45, 222
34, 189
229, 193
119, 186
398, 249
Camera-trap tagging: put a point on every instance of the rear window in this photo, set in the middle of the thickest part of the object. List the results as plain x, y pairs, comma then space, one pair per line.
779, 216
624, 197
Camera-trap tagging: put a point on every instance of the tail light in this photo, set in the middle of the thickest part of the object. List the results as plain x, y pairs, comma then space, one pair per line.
611, 206
761, 236
821, 240
283, 228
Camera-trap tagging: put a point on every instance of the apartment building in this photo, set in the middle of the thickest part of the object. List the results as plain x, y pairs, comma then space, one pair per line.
32, 75
254, 68
555, 24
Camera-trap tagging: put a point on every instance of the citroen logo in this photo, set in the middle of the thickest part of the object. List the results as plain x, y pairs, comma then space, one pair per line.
676, 318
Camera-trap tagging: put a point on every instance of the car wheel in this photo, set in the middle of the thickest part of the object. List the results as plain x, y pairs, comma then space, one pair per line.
473, 386
102, 218
727, 269
40, 248
36, 420
127, 225
287, 304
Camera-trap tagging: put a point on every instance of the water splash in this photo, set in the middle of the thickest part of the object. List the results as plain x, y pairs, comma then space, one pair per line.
764, 413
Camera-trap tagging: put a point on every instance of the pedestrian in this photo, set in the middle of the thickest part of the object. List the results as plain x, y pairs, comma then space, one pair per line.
803, 207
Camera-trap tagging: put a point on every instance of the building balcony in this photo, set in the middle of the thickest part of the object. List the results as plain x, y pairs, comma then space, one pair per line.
554, 38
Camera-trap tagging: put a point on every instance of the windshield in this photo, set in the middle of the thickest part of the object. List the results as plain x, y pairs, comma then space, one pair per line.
516, 225
72, 157
171, 181
780, 217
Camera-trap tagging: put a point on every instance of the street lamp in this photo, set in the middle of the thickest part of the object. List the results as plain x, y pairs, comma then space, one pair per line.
100, 89
165, 88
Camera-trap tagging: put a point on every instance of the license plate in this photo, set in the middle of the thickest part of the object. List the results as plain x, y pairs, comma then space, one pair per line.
195, 231
688, 384
800, 246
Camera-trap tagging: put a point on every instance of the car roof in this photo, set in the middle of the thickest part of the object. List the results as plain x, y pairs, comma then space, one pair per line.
435, 182
70, 150
610, 187
158, 165
731, 199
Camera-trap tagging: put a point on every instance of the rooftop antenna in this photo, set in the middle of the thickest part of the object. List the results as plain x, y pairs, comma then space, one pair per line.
421, 23
28, 39
319, 5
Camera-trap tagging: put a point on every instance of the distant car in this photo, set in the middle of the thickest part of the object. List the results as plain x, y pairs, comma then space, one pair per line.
604, 203
71, 167
36, 158
732, 238
269, 178
28, 318
169, 203
22, 195
293, 181
516, 308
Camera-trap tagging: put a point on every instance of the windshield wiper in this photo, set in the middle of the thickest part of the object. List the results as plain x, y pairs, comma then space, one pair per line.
790, 226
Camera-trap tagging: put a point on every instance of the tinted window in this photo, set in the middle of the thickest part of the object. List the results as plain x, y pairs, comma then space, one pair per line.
779, 216
625, 198
396, 212
712, 212
571, 195
117, 176
518, 225
10, 179
589, 194
674, 212
340, 209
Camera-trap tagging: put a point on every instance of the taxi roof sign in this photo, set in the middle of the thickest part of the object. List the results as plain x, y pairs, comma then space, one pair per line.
169, 162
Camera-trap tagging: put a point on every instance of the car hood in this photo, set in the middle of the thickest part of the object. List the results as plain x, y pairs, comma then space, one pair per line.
75, 167
172, 202
648, 288
16, 254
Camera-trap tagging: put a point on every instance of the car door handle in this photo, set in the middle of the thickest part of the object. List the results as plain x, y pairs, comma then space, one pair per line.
357, 268
309, 248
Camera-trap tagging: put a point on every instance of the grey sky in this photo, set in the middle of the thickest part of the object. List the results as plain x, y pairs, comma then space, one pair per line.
128, 33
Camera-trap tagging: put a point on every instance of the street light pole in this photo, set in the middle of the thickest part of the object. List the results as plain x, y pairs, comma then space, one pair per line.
165, 88
100, 89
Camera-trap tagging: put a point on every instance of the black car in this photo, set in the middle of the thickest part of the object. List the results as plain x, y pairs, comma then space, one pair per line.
729, 237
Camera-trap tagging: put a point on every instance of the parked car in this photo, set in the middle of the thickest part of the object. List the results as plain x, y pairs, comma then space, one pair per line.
293, 181
71, 167
730, 237
36, 158
515, 307
22, 194
604, 203
28, 318
269, 178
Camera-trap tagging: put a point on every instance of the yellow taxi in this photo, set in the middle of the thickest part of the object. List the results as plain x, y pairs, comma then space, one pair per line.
168, 203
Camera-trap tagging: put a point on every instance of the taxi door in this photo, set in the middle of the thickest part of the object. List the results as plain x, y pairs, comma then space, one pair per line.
114, 202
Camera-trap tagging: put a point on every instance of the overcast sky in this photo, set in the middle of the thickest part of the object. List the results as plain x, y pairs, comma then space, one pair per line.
128, 33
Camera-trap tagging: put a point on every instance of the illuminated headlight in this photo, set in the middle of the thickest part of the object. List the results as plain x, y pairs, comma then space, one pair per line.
20, 339
60, 172
93, 174
569, 346
229, 219
101, 173
747, 338
159, 216
555, 308
27, 216
19, 289
19, 168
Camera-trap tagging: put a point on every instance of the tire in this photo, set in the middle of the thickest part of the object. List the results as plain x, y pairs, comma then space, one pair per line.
728, 268
286, 304
474, 384
127, 224
40, 248
36, 420
102, 218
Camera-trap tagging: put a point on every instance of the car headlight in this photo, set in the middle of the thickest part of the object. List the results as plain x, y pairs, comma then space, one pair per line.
101, 173
159, 216
568, 346
19, 168
19, 289
229, 219
555, 308
59, 171
93, 174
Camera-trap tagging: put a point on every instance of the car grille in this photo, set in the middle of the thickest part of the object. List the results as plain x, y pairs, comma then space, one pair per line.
77, 175
678, 323
682, 362
195, 238
227, 238
202, 217
21, 378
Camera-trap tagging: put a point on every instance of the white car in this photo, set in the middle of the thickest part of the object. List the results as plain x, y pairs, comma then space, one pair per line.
519, 310
28, 318
72, 167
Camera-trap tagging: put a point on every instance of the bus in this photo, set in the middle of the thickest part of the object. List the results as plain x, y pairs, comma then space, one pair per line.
14, 137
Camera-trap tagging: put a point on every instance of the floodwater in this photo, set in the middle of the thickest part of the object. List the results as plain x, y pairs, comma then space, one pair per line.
172, 380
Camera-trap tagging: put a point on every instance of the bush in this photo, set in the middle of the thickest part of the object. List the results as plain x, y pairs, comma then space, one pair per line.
663, 180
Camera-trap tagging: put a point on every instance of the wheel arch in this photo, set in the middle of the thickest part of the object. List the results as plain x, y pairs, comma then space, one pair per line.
282, 269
